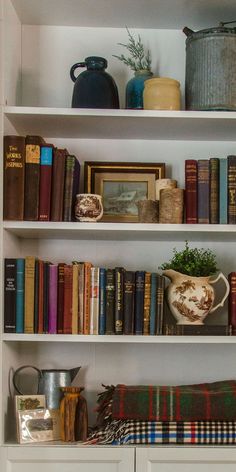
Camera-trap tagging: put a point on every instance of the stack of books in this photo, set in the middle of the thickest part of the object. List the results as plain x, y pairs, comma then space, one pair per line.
40, 180
78, 298
210, 190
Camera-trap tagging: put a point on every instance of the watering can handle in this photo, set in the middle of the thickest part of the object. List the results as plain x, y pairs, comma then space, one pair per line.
78, 64
221, 276
14, 379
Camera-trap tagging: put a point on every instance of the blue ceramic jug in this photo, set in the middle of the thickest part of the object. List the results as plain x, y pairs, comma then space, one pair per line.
94, 88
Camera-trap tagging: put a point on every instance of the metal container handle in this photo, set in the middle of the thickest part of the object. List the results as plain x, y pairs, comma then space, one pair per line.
14, 379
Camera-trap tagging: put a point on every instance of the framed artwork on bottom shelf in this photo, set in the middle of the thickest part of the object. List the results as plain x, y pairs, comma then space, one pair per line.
121, 186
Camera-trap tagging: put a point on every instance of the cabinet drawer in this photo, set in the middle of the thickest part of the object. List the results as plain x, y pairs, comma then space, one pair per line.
186, 459
67, 459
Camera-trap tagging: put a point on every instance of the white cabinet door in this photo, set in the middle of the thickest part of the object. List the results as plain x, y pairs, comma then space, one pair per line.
67, 459
186, 459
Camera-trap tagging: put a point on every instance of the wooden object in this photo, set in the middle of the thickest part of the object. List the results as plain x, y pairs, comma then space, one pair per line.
73, 415
171, 206
148, 211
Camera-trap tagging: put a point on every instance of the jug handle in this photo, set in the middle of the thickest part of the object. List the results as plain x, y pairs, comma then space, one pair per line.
78, 64
17, 372
221, 276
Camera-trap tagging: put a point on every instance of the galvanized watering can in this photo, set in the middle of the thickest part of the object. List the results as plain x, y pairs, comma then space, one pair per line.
49, 382
210, 80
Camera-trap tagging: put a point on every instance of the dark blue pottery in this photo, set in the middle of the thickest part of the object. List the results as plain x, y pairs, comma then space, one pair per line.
134, 89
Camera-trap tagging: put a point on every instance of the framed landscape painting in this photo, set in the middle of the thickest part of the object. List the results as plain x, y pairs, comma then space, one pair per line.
122, 186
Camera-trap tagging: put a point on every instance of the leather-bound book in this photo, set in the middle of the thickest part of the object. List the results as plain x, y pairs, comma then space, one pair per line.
52, 299
197, 330
94, 300
139, 301
214, 190
102, 301
223, 192
87, 290
10, 295
46, 265
203, 191
40, 297
68, 283
36, 296
75, 298
58, 178
110, 302
191, 191
153, 305
160, 303
147, 303
71, 188
119, 299
60, 301
29, 294
232, 302
32, 177
231, 189
81, 298
129, 291
46, 155
14, 177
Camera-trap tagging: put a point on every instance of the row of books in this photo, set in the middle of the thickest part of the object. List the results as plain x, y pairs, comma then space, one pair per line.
210, 190
78, 298
40, 180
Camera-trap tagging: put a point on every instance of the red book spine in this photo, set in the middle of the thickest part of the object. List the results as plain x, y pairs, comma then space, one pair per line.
87, 289
45, 182
68, 281
191, 191
232, 301
60, 298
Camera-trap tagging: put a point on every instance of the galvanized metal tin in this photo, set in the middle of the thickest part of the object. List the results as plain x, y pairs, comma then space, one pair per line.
210, 81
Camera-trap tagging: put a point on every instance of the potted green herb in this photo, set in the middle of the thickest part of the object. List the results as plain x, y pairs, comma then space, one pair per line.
190, 294
139, 60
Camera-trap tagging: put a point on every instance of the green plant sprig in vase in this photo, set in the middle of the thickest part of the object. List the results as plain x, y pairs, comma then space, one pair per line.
139, 61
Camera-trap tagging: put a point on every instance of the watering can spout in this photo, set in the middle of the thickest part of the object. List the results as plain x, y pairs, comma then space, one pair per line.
187, 31
74, 372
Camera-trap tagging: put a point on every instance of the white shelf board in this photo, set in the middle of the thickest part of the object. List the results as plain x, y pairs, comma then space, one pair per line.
73, 338
123, 124
173, 14
120, 231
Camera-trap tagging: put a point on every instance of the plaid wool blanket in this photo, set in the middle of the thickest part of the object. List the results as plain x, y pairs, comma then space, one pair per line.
214, 401
120, 432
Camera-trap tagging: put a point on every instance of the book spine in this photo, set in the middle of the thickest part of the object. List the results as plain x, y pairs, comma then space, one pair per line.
119, 299
160, 302
139, 302
203, 191
191, 197
102, 301
75, 298
94, 300
129, 291
58, 177
231, 189
110, 302
45, 182
32, 175
36, 296
195, 330
81, 298
20, 289
72, 175
75, 187
214, 190
29, 294
147, 303
41, 289
52, 299
10, 275
46, 296
223, 192
87, 290
14, 177
232, 301
68, 282
153, 305
60, 304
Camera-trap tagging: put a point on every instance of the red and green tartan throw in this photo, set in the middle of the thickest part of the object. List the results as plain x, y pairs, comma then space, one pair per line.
214, 401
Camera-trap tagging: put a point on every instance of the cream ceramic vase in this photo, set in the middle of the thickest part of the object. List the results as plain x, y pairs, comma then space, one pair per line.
161, 93
191, 299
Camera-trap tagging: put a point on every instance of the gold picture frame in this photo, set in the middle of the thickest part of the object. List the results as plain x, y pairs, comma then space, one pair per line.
121, 185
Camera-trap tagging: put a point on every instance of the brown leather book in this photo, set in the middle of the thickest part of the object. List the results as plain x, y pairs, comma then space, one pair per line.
191, 191
46, 155
68, 281
214, 190
203, 191
58, 177
14, 177
87, 290
147, 303
231, 189
29, 294
60, 304
71, 187
32, 177
232, 301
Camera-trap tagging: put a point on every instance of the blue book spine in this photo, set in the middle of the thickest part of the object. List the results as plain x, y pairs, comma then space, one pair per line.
223, 193
46, 155
153, 307
139, 302
102, 302
20, 289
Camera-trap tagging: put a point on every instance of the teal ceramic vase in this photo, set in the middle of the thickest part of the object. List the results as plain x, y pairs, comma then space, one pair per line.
135, 87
